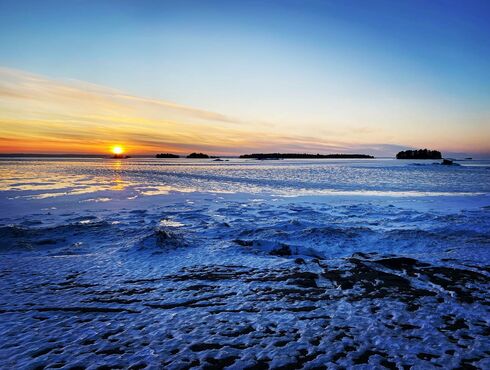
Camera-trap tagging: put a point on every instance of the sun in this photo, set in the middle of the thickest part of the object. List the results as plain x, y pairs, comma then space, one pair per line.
117, 149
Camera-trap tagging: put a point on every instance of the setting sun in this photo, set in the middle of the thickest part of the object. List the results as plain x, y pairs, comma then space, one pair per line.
117, 149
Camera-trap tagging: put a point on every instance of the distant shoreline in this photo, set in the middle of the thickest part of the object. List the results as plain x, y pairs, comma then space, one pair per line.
244, 156
32, 155
304, 156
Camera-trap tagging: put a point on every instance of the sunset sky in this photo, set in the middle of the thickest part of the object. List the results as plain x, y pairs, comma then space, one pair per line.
233, 77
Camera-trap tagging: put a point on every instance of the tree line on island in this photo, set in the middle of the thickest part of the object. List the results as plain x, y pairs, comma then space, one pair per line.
271, 156
419, 154
405, 154
192, 155
425, 154
301, 156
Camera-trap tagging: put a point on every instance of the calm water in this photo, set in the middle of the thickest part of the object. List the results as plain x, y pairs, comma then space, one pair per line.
59, 177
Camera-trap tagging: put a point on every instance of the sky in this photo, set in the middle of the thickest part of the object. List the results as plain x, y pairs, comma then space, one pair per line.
234, 77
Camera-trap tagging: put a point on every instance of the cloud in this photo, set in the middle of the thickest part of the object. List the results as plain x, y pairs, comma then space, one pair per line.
40, 114
16, 84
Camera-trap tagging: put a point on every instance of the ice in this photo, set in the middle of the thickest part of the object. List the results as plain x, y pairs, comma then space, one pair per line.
260, 266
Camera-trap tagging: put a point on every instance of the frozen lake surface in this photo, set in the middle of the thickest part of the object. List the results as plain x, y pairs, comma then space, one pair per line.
177, 264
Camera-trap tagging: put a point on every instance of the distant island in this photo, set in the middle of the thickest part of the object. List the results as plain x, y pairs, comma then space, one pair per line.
197, 155
419, 154
167, 155
301, 156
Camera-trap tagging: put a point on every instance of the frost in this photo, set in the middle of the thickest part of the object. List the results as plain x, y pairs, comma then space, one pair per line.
218, 280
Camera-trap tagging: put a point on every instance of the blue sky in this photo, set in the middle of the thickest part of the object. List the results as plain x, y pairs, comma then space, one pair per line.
359, 73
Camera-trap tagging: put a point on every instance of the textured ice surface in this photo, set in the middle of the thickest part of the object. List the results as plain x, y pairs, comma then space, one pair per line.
105, 275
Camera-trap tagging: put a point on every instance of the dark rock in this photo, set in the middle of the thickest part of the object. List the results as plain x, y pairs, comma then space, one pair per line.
281, 250
401, 263
364, 357
375, 283
162, 239
304, 279
427, 356
199, 347
221, 363
244, 243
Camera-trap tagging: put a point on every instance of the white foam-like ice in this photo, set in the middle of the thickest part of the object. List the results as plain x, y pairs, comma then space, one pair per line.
238, 275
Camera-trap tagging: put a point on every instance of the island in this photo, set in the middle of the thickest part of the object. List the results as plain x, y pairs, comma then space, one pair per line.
167, 155
197, 155
262, 156
419, 154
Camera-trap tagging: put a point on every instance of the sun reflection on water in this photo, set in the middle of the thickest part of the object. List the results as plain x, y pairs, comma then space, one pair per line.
118, 183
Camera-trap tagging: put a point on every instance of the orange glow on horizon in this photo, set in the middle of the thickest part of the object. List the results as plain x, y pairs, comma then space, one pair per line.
39, 115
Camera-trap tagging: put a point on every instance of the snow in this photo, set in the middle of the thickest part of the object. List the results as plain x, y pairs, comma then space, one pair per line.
296, 264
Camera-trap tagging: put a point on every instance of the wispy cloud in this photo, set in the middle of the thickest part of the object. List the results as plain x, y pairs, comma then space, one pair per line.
16, 84
40, 114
